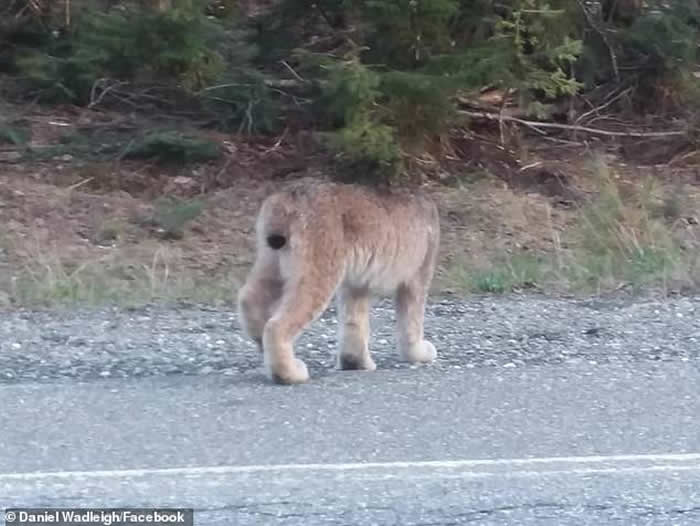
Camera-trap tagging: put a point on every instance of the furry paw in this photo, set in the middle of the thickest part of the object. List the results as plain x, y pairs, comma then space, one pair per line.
292, 373
353, 362
424, 352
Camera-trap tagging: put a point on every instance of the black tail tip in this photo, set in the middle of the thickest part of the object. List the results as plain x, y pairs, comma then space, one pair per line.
276, 241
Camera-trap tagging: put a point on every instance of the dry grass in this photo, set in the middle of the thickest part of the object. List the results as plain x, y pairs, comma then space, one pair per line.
47, 279
630, 234
68, 246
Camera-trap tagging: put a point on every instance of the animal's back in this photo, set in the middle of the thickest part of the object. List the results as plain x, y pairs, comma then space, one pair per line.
382, 236
387, 235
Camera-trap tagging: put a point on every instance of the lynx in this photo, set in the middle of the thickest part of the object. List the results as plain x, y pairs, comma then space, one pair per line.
317, 240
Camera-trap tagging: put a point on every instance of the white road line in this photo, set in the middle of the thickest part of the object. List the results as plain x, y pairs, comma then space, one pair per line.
545, 472
558, 465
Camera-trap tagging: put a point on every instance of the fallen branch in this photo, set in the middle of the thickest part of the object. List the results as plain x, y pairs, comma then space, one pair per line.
571, 127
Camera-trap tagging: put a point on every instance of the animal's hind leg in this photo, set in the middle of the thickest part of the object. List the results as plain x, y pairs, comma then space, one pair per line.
410, 309
302, 302
259, 296
353, 330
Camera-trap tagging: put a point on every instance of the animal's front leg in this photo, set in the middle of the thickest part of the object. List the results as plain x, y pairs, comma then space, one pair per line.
301, 304
278, 349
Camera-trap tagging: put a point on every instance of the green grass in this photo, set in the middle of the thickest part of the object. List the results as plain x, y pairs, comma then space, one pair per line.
171, 215
626, 237
519, 272
14, 134
97, 144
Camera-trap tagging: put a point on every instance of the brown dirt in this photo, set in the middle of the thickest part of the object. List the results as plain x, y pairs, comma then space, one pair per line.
78, 210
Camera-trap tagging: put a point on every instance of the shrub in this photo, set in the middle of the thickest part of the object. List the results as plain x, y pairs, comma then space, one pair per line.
15, 134
174, 147
391, 86
171, 215
364, 144
134, 44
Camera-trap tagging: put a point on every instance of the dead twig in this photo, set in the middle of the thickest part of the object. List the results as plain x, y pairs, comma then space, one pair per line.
224, 86
291, 69
95, 100
283, 83
682, 157
79, 184
277, 144
501, 128
564, 142
248, 122
536, 164
597, 109
571, 127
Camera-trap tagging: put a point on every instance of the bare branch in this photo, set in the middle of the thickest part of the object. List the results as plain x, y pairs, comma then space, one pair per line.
291, 69
96, 99
605, 105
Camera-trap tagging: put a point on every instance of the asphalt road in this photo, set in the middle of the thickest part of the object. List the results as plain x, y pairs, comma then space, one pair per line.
538, 442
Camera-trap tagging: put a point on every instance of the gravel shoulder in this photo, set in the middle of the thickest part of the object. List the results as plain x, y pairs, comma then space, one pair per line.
538, 411
509, 332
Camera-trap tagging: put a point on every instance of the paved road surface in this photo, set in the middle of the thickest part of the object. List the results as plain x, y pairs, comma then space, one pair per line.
580, 442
